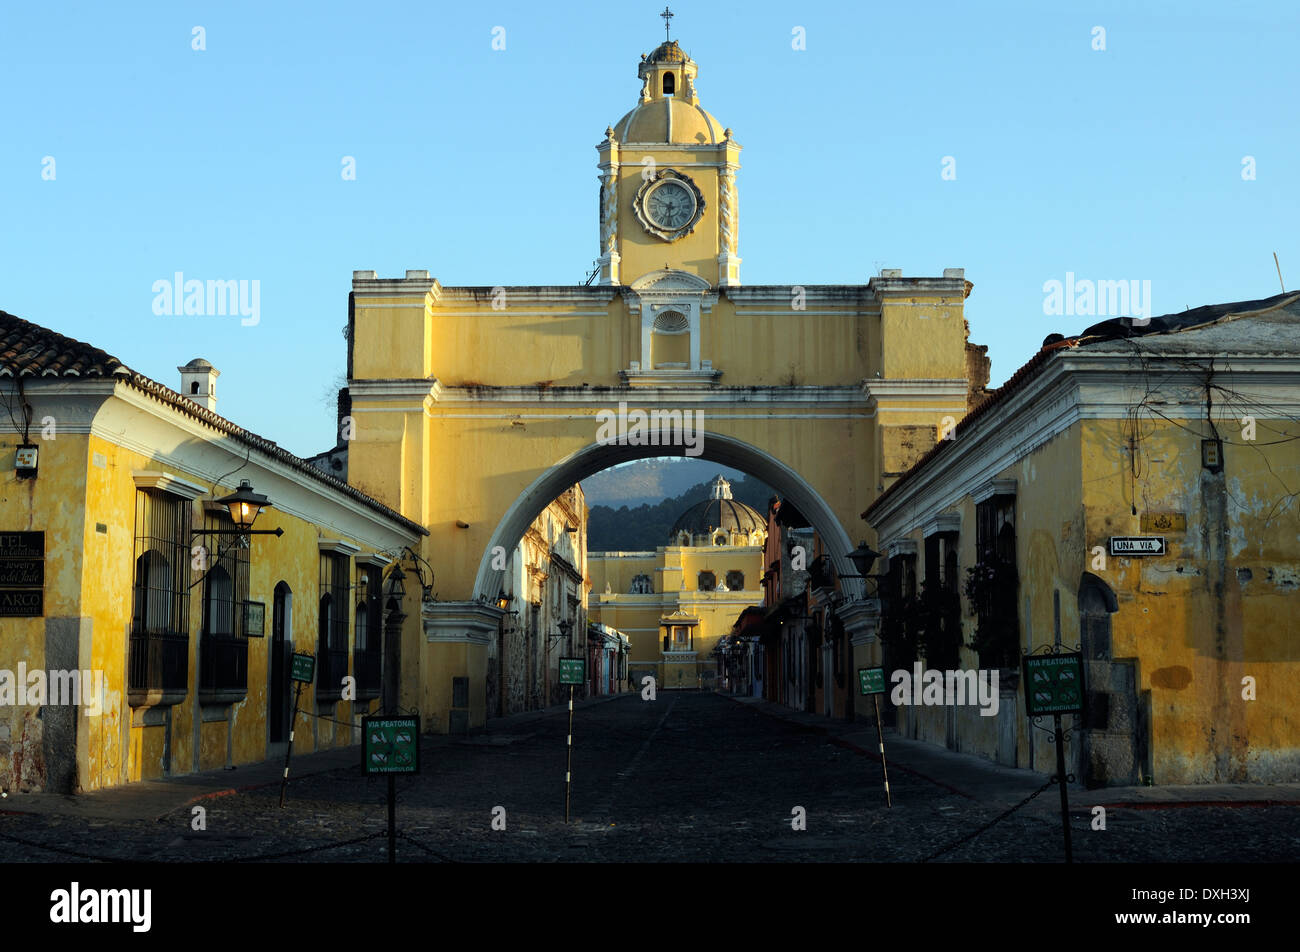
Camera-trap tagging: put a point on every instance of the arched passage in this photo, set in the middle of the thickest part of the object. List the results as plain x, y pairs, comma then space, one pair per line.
716, 448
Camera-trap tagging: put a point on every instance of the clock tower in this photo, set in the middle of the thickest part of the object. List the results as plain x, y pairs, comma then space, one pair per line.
668, 182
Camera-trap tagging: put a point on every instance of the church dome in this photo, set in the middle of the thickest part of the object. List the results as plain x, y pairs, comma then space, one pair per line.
669, 120
719, 520
668, 52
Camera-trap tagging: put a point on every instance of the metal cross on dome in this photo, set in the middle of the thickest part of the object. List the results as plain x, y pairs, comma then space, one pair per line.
667, 15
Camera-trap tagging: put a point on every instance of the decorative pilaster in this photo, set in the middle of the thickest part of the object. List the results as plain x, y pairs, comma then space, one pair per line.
609, 256
728, 225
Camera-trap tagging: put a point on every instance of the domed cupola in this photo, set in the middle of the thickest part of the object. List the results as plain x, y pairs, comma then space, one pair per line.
719, 520
669, 109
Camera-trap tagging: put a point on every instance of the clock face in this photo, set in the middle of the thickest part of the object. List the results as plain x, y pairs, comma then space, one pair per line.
670, 206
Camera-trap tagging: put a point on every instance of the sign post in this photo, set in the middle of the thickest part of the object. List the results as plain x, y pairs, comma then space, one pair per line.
390, 744
1054, 685
872, 682
572, 671
302, 671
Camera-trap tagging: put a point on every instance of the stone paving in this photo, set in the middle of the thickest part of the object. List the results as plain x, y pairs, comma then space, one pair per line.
688, 777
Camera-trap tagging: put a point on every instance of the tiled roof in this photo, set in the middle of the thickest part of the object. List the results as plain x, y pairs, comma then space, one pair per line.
1109, 330
29, 350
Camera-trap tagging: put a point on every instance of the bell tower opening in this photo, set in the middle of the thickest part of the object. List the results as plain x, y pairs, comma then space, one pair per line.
670, 84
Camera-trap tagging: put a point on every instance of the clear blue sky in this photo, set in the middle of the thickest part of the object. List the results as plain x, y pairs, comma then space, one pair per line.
479, 165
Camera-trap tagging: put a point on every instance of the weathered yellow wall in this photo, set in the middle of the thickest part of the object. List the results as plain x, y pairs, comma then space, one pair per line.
48, 503
1222, 606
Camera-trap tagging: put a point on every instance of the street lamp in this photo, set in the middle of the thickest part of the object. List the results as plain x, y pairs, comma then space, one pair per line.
565, 627
395, 587
863, 557
244, 505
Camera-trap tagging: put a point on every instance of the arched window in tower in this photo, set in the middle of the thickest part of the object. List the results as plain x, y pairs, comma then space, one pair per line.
720, 539
194, 387
670, 83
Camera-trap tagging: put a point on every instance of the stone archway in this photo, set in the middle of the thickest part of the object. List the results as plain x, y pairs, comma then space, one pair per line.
718, 448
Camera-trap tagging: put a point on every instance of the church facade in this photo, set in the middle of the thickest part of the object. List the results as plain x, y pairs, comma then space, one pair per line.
676, 603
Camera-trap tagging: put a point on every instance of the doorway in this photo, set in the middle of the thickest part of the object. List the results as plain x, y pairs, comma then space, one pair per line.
277, 708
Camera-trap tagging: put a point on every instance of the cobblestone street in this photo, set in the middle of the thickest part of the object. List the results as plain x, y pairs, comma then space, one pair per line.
687, 777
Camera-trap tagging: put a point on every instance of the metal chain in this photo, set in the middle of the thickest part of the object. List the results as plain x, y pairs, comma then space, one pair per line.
432, 852
66, 852
997, 819
301, 852
236, 859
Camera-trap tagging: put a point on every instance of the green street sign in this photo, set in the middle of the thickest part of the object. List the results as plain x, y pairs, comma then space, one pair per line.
872, 680
573, 670
1053, 684
303, 668
390, 744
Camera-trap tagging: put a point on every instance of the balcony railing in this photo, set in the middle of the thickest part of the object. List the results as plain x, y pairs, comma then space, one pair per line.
332, 666
159, 668
368, 664
223, 667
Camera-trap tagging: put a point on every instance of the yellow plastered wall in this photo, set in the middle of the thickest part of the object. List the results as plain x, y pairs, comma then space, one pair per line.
1220, 607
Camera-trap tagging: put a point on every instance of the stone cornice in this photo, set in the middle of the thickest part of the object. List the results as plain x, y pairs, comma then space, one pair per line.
943, 523
338, 546
601, 397
472, 623
168, 483
938, 387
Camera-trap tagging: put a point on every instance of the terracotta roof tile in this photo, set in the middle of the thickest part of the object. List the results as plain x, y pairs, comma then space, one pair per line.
29, 350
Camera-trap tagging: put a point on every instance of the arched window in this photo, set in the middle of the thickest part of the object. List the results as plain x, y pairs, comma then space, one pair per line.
720, 539
736, 580
219, 604
281, 647
223, 666
326, 620
194, 387
152, 607
363, 620
670, 83
707, 581
1097, 603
